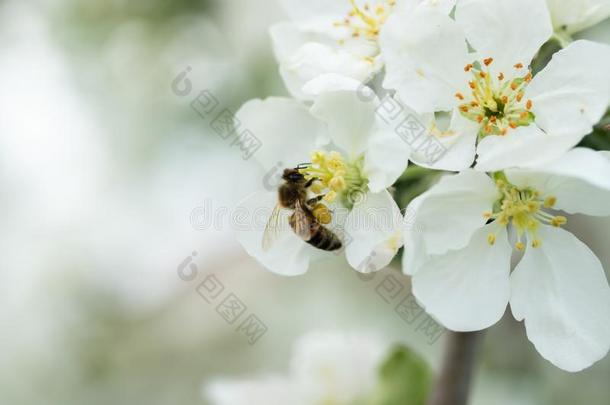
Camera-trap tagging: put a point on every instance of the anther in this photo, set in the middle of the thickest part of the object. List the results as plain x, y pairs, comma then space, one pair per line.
491, 238
549, 202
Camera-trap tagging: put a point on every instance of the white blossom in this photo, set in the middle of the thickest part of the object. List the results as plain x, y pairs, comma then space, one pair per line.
516, 119
335, 37
572, 16
356, 157
326, 368
460, 256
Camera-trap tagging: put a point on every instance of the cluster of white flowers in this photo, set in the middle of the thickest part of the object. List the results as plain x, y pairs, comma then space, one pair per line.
462, 68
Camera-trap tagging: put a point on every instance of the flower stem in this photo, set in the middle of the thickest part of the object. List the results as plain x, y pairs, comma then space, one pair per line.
453, 383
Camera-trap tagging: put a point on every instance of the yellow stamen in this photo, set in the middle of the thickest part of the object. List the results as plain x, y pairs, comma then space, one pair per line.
550, 202
491, 238
330, 196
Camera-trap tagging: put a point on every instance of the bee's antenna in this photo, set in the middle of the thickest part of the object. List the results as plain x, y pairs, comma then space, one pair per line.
303, 165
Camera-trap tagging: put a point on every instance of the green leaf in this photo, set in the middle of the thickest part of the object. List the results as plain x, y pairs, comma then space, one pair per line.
404, 379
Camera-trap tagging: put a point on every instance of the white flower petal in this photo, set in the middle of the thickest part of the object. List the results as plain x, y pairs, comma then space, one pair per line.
509, 31
522, 147
467, 289
286, 38
385, 159
572, 93
302, 10
415, 253
336, 368
598, 33
285, 128
425, 53
374, 229
580, 180
576, 15
332, 82
289, 255
442, 6
452, 149
314, 59
562, 293
349, 116
446, 216
269, 390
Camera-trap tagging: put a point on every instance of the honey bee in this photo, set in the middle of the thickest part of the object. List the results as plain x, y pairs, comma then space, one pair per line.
292, 195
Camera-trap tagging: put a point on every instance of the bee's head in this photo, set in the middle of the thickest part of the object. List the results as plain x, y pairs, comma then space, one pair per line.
293, 175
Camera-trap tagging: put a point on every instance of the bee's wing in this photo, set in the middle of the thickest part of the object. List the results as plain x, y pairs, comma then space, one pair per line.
301, 222
273, 227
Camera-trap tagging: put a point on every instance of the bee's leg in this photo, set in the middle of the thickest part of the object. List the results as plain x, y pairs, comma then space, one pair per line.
310, 182
315, 199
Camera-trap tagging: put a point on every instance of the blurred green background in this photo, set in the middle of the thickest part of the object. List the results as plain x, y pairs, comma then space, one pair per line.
102, 166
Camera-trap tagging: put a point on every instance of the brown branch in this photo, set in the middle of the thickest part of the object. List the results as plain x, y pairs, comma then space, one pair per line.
453, 383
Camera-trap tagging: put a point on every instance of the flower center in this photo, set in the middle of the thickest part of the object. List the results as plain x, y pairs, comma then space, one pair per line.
523, 209
496, 102
336, 178
366, 21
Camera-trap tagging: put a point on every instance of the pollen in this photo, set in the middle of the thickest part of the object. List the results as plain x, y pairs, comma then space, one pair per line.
523, 209
333, 176
328, 169
518, 65
337, 183
330, 197
559, 221
491, 238
322, 214
366, 21
549, 202
498, 99
317, 187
